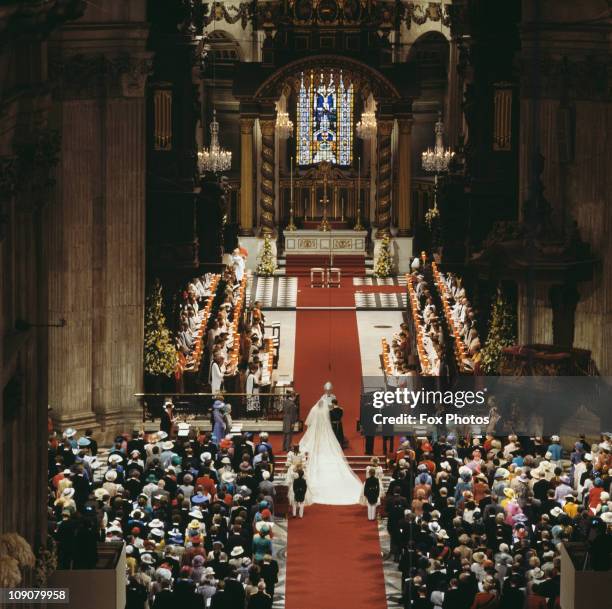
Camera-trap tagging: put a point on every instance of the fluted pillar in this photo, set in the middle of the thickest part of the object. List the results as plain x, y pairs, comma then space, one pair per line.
383, 190
246, 176
405, 177
96, 242
266, 215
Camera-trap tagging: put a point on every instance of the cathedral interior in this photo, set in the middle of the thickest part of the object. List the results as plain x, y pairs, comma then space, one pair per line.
143, 142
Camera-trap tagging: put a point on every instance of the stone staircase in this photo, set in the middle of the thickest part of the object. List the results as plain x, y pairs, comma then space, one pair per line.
360, 271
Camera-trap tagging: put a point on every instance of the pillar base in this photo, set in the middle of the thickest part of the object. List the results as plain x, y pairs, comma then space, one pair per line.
402, 253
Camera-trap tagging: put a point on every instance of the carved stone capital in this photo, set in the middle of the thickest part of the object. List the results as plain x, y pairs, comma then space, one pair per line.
267, 127
405, 125
246, 126
79, 76
384, 128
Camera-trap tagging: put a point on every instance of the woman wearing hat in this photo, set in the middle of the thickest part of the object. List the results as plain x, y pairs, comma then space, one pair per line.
262, 544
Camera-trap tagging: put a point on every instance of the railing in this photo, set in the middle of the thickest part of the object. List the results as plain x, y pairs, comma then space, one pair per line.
263, 406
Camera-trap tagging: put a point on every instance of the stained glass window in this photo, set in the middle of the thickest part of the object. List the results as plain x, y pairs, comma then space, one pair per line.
325, 120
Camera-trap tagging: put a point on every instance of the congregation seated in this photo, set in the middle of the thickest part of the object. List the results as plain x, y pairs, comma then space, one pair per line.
478, 521
195, 511
460, 319
429, 335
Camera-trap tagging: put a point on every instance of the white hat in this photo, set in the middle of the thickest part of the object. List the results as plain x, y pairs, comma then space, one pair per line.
162, 435
588, 456
169, 445
67, 472
196, 513
265, 474
556, 511
228, 476
157, 532
554, 438
111, 475
237, 551
156, 523
114, 529
147, 558
537, 573
115, 458
226, 461
100, 493
70, 432
442, 534
68, 492
94, 462
607, 517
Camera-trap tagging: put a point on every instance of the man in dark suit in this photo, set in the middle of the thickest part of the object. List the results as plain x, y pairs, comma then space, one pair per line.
269, 573
234, 591
290, 417
261, 599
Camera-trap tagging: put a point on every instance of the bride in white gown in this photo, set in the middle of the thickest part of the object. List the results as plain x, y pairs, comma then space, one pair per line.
331, 480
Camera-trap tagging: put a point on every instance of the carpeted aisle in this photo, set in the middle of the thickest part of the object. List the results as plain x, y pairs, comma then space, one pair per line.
333, 554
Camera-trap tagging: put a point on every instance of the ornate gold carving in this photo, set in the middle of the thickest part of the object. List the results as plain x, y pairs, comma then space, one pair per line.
246, 126
383, 198
343, 244
266, 217
307, 244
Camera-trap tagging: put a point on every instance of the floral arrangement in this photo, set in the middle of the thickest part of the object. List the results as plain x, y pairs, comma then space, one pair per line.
160, 355
384, 264
15, 554
46, 563
431, 216
267, 263
501, 334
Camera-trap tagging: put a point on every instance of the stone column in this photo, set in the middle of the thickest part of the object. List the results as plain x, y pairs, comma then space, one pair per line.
383, 191
96, 242
266, 215
246, 176
405, 177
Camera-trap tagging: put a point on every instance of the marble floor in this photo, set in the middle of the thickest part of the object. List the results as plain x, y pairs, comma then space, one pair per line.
373, 326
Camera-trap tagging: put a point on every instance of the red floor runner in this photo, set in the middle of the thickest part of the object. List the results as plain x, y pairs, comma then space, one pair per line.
333, 554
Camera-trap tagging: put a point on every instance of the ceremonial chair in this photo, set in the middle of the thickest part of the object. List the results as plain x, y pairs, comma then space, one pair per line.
317, 277
334, 274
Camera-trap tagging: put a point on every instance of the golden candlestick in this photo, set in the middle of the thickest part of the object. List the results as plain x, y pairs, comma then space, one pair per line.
291, 226
358, 225
324, 226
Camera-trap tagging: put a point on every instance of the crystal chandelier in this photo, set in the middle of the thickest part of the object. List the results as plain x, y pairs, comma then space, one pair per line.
215, 158
438, 159
284, 125
366, 127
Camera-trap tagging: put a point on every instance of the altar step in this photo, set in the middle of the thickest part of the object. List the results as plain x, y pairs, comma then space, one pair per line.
359, 464
299, 265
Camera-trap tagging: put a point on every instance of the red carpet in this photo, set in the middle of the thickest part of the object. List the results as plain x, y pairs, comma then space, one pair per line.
333, 554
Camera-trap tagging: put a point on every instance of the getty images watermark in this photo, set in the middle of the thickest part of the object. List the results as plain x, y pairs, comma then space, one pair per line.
403, 397
533, 406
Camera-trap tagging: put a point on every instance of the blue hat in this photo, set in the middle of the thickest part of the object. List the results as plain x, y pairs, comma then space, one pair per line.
83, 442
198, 499
218, 404
262, 448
